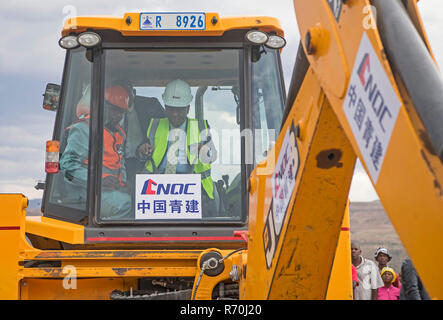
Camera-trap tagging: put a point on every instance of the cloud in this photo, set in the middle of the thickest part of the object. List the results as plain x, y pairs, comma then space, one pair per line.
26, 52
361, 186
28, 135
22, 161
22, 186
431, 11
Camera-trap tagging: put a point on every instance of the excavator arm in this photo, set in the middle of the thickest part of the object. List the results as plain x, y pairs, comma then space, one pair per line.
365, 85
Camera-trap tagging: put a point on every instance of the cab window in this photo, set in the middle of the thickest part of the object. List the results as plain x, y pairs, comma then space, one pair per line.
268, 102
68, 188
171, 128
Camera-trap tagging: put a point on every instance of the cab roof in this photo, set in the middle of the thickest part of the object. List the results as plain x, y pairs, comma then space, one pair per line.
129, 25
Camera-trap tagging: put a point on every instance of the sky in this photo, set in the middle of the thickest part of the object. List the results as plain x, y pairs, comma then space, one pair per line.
30, 58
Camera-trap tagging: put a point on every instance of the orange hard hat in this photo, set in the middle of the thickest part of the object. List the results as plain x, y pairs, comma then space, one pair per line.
117, 96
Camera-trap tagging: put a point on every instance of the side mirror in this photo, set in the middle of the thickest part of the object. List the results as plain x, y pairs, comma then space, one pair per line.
51, 97
257, 51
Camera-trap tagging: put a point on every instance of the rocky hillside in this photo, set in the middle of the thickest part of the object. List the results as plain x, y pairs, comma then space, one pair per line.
34, 206
371, 226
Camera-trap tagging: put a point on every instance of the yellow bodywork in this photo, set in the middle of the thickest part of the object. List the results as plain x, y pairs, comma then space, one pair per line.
80, 24
308, 255
409, 184
303, 258
98, 271
296, 263
55, 229
340, 283
95, 272
87, 274
13, 212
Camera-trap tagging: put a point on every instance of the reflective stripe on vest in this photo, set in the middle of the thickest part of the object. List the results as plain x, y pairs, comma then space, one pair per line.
158, 132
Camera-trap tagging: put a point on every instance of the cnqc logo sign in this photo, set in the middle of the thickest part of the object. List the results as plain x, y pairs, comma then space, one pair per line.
168, 196
151, 187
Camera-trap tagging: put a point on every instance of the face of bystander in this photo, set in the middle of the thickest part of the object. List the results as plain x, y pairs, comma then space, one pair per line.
382, 259
387, 278
355, 251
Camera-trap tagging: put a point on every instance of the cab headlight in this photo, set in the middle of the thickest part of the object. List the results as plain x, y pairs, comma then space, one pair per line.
275, 42
89, 39
68, 42
256, 37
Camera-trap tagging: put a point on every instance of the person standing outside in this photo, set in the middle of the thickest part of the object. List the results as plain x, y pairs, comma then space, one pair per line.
354, 279
368, 275
412, 288
382, 258
388, 291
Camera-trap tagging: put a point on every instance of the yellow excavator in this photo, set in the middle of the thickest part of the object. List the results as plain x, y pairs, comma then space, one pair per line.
256, 205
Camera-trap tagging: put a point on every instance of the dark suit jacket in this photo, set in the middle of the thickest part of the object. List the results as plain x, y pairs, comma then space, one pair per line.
411, 286
147, 108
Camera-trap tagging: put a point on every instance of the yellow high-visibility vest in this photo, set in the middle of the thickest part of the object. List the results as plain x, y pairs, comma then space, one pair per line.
158, 132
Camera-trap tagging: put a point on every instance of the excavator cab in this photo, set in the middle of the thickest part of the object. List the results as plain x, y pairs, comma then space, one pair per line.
233, 69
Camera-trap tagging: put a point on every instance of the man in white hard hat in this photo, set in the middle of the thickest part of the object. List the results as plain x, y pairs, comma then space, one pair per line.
178, 144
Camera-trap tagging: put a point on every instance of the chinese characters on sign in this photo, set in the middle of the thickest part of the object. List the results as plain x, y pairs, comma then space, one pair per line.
283, 183
283, 179
371, 107
166, 196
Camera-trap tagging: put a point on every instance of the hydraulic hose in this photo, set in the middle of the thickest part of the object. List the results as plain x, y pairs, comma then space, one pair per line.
301, 67
410, 58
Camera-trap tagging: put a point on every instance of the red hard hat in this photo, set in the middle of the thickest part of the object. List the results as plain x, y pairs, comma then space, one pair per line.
117, 96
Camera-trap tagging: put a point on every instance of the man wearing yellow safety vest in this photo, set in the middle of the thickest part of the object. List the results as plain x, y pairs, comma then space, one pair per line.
178, 144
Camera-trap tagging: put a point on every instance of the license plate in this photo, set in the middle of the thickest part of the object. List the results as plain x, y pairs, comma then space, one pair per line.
172, 21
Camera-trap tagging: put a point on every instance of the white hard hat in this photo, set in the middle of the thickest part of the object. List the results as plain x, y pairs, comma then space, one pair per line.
177, 94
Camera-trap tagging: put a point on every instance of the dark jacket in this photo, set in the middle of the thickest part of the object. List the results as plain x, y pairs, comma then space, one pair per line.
411, 286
